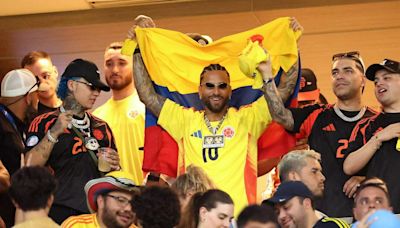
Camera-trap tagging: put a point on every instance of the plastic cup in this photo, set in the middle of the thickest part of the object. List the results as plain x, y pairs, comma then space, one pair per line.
103, 164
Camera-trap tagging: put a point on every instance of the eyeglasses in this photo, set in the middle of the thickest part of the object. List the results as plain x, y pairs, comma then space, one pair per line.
210, 85
90, 85
122, 201
354, 55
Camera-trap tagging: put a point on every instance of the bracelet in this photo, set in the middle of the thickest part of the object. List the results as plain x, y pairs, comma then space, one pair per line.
51, 138
379, 143
268, 81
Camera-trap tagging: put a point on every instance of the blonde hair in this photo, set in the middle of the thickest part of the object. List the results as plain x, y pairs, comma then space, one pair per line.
194, 180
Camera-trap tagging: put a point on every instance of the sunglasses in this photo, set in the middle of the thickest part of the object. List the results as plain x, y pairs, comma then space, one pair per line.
354, 55
27, 92
210, 85
36, 84
90, 85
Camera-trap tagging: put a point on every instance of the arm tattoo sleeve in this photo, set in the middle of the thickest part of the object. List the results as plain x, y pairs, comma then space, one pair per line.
41, 152
288, 82
145, 88
279, 113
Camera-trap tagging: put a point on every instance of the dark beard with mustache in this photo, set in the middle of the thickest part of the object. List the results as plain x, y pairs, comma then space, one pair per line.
109, 219
213, 109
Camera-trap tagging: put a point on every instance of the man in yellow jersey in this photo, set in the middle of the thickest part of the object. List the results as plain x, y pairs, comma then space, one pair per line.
108, 198
123, 111
220, 139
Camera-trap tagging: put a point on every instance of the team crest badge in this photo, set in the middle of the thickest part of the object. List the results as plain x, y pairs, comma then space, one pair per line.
228, 132
32, 141
133, 113
98, 134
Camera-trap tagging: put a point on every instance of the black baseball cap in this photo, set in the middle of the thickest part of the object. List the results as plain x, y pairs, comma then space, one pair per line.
87, 70
387, 64
308, 86
289, 189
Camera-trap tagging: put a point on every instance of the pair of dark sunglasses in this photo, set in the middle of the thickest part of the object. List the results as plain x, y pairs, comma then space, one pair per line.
351, 54
210, 85
90, 85
355, 55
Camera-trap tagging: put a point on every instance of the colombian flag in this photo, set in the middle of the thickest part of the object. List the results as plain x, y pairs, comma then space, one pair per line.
174, 62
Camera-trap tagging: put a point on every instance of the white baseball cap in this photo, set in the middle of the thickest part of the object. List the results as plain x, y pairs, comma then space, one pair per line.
19, 82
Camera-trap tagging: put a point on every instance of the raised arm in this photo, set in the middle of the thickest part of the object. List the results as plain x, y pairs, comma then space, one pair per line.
356, 160
288, 82
145, 88
41, 152
279, 113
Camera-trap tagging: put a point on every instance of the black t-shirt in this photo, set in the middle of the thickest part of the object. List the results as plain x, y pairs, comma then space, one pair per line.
71, 162
331, 223
328, 135
385, 163
44, 109
11, 148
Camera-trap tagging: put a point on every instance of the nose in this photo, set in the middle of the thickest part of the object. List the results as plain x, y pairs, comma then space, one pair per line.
322, 177
226, 223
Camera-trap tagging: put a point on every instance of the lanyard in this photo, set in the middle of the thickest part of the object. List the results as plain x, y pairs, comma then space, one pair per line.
12, 122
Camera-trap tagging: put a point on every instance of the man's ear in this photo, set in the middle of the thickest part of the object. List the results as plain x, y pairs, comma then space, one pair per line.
202, 213
70, 85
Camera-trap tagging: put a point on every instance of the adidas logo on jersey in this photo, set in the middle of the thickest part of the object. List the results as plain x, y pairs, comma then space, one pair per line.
330, 127
197, 134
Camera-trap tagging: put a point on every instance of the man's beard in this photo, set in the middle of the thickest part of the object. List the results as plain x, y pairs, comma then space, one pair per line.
30, 114
120, 84
214, 109
109, 219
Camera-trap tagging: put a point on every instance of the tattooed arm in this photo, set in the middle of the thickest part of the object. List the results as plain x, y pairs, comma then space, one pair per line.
144, 86
288, 82
41, 152
279, 113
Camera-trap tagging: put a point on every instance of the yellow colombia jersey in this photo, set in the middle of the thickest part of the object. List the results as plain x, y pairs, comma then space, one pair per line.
126, 119
83, 221
233, 168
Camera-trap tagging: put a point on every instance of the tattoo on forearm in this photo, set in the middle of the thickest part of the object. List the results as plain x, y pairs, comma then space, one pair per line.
41, 152
276, 107
145, 88
287, 84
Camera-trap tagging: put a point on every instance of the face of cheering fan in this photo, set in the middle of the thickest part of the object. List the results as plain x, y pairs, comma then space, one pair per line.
215, 91
84, 92
387, 89
347, 79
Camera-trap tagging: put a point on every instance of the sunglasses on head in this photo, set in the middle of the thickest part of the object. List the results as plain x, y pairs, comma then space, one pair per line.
351, 54
90, 85
354, 55
210, 85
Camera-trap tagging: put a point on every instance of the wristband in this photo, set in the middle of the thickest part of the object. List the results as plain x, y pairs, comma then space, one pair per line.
268, 80
51, 138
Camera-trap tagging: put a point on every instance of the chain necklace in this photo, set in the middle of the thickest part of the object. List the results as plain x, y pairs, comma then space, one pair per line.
349, 119
208, 124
